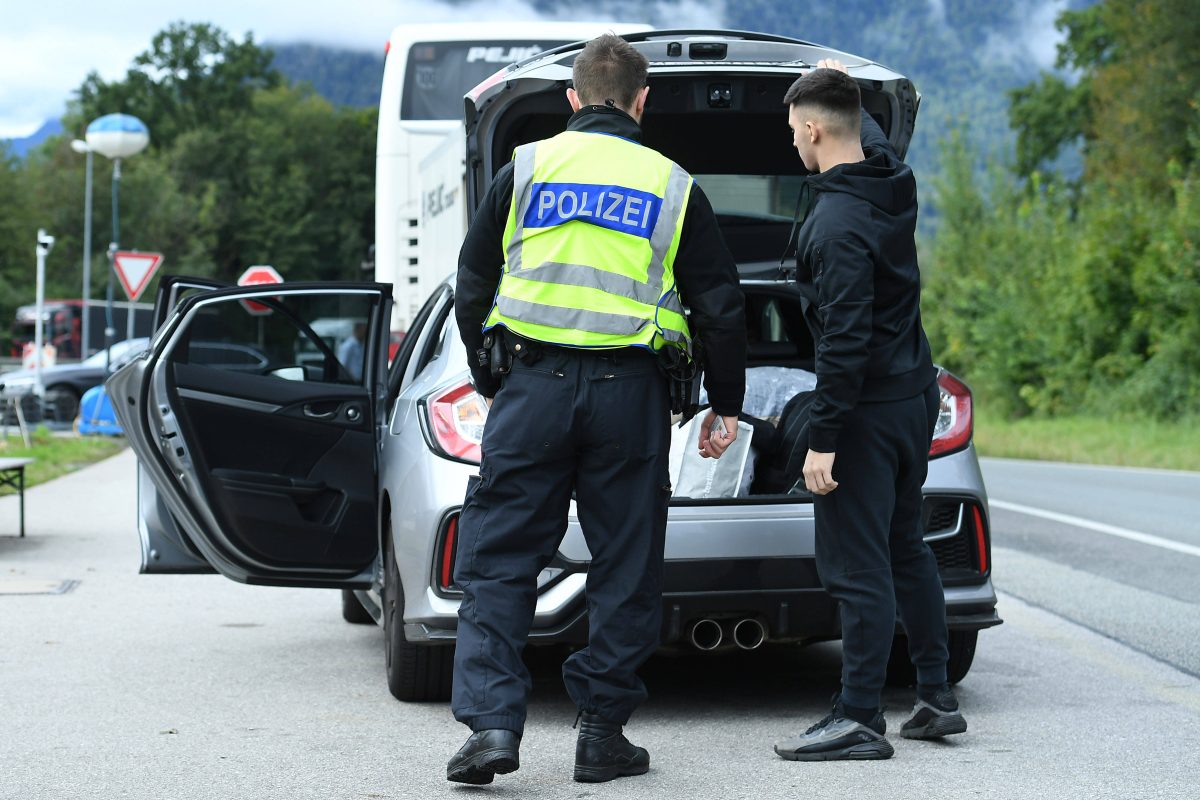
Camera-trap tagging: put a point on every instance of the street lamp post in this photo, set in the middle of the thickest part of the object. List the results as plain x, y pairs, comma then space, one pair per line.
45, 243
116, 136
80, 146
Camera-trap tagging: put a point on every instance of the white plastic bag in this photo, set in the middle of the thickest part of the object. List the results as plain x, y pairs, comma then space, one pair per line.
703, 478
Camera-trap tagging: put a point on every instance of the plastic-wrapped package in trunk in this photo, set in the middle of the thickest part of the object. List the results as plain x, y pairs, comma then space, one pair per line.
768, 389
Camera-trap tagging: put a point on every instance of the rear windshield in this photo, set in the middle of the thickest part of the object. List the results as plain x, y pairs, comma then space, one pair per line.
440, 73
766, 197
755, 212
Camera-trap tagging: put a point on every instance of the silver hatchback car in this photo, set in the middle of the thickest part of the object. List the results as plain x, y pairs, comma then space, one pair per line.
301, 474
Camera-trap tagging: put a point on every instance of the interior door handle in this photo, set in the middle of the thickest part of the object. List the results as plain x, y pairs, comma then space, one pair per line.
312, 413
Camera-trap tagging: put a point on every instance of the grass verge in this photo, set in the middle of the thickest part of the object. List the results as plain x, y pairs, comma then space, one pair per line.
57, 455
1093, 440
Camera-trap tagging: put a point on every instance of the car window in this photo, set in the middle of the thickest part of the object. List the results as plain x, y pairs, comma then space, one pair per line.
776, 330
399, 375
279, 337
120, 353
432, 340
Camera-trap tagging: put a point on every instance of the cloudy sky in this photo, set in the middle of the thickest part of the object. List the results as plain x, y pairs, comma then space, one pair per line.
47, 48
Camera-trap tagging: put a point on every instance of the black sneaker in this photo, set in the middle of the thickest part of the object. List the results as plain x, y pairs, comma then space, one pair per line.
935, 718
838, 738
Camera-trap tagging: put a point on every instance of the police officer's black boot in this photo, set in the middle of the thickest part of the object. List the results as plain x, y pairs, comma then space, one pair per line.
486, 754
603, 753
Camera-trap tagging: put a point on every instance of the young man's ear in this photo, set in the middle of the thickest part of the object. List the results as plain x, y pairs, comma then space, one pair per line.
573, 99
814, 131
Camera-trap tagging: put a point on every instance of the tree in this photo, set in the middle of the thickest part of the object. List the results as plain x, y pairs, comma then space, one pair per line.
193, 76
1137, 62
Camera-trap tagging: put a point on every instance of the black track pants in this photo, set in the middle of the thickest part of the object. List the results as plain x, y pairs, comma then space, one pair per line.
870, 552
599, 424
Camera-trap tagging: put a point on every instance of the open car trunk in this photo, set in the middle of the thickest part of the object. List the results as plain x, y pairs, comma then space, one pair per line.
715, 108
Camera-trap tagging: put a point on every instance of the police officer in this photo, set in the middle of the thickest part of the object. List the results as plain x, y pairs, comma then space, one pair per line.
580, 258
872, 418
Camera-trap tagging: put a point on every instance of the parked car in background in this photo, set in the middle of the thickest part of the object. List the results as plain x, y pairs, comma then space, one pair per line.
65, 383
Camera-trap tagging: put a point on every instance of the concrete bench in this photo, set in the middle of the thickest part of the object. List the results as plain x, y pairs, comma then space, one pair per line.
12, 474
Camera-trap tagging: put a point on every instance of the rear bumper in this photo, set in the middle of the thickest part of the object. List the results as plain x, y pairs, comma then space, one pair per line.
784, 594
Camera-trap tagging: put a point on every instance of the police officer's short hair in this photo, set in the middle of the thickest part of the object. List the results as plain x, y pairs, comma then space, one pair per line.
832, 93
609, 68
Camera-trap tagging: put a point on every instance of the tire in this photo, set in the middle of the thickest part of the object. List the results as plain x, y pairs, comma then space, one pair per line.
415, 672
900, 671
61, 403
353, 611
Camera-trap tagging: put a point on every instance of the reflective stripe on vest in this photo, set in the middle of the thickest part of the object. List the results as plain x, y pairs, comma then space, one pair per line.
590, 244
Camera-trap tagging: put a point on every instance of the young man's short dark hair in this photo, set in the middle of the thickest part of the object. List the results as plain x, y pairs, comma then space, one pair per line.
833, 94
609, 68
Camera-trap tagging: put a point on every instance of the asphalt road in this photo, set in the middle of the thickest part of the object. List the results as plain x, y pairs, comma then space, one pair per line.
1114, 549
196, 687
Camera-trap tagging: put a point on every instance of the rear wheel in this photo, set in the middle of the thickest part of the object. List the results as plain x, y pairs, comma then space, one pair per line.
353, 611
62, 404
414, 672
900, 671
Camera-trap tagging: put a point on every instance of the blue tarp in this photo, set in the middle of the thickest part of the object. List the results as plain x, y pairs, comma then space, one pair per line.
96, 413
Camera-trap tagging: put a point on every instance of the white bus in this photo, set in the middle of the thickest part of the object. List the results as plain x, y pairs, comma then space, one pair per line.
420, 215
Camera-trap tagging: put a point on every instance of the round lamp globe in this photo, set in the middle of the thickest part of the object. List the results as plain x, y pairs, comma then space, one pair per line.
118, 135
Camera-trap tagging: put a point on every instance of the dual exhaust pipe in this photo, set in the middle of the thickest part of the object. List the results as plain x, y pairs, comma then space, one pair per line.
708, 634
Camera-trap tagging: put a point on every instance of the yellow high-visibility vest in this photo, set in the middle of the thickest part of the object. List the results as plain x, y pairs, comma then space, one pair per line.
590, 245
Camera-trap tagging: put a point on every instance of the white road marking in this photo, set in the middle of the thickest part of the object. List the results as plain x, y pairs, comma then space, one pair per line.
1100, 527
1024, 462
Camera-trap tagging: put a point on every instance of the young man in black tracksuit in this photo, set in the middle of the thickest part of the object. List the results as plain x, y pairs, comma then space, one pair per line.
872, 418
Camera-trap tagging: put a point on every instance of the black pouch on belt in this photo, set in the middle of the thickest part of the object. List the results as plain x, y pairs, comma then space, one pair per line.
499, 361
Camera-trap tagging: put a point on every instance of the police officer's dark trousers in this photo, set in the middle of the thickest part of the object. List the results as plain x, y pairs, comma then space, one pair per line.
596, 422
871, 555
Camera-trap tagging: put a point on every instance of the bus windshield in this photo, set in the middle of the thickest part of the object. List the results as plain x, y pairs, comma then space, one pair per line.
440, 73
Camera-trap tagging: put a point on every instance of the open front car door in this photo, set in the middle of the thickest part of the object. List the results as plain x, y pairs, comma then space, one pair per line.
256, 416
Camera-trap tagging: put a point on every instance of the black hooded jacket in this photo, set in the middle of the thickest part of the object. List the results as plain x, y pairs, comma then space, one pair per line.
704, 271
856, 261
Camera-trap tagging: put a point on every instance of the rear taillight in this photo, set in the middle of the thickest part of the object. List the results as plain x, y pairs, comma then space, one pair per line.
953, 429
445, 566
456, 419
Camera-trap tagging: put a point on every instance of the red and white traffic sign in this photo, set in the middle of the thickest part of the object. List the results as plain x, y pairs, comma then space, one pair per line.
134, 270
253, 276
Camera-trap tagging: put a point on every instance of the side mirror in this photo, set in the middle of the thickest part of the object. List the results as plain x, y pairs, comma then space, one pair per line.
288, 373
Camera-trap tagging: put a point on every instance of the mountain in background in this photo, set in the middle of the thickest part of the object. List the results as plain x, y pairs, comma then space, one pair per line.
19, 147
962, 54
343, 77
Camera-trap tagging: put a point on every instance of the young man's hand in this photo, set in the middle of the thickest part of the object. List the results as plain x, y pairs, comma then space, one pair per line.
714, 443
818, 472
832, 63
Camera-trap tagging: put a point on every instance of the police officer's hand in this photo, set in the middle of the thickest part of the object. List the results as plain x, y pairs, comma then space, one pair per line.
715, 442
818, 472
832, 63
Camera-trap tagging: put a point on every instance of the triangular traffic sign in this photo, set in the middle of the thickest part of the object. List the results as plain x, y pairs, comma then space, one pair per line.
134, 270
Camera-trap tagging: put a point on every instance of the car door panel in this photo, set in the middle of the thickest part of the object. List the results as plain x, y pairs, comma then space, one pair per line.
165, 547
166, 550
273, 480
